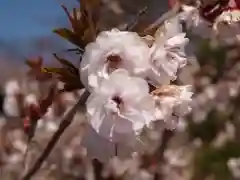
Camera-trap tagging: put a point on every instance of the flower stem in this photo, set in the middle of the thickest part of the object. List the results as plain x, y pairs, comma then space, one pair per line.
65, 122
116, 149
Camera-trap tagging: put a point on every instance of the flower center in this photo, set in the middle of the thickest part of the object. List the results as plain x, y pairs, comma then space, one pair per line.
118, 101
114, 62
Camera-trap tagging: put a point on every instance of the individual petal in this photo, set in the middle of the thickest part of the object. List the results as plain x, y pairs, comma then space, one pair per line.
177, 41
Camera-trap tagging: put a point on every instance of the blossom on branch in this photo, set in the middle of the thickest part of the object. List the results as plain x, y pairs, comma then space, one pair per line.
172, 102
167, 53
120, 107
112, 50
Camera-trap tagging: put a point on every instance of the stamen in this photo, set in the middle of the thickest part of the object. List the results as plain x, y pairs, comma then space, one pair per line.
114, 62
118, 101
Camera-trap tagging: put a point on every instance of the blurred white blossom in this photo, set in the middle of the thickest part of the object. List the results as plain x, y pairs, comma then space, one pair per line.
11, 106
12, 87
234, 167
176, 162
225, 136
194, 22
31, 99
101, 148
227, 26
11, 102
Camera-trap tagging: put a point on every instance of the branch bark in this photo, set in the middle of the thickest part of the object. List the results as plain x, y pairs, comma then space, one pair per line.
65, 122
168, 15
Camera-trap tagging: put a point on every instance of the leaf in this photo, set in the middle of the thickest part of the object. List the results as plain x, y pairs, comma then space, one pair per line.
63, 61
46, 102
77, 19
91, 3
61, 74
84, 23
77, 50
36, 69
71, 87
87, 36
70, 36
67, 64
51, 70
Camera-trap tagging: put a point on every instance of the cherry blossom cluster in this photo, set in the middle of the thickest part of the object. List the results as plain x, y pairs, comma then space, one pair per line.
130, 80
219, 21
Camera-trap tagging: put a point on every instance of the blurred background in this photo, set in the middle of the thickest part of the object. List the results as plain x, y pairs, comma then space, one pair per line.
206, 144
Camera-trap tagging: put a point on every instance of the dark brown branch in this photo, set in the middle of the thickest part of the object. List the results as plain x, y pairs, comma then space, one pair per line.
167, 135
66, 121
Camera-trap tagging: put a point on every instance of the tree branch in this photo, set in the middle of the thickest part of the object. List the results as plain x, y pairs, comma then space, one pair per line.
172, 12
167, 135
132, 24
65, 122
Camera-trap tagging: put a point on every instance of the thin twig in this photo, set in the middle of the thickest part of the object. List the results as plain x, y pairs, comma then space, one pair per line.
167, 135
116, 149
132, 24
168, 15
65, 122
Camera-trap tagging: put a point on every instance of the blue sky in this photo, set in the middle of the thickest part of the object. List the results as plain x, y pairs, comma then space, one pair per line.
21, 21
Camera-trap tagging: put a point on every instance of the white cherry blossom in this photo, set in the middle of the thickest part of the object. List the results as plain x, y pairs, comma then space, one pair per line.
167, 53
171, 103
227, 26
112, 50
234, 167
120, 107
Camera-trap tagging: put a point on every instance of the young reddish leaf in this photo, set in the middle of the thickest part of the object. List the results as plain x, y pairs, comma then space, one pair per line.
62, 74
87, 36
91, 3
71, 87
67, 64
83, 21
36, 69
68, 74
34, 63
70, 36
34, 112
30, 121
52, 70
45, 103
92, 27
